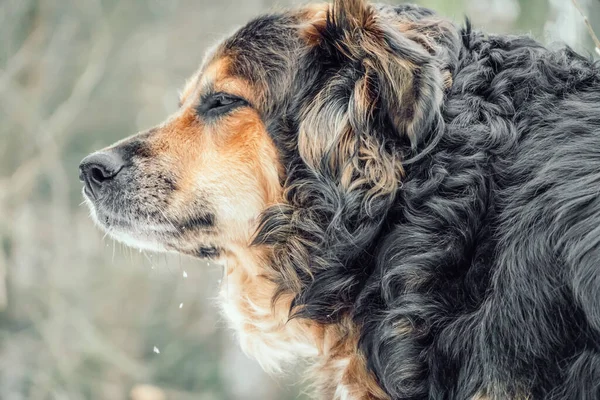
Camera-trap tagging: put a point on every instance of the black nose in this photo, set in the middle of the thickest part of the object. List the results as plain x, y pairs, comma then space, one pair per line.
97, 169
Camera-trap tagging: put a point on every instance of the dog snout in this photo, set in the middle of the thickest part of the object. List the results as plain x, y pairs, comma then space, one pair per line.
98, 169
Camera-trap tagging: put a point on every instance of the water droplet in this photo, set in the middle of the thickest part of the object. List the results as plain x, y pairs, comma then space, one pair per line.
181, 305
156, 350
185, 274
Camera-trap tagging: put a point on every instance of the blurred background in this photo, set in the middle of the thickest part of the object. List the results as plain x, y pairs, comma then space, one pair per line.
80, 316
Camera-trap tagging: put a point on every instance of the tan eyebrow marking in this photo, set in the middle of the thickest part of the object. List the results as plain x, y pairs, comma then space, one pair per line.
237, 87
216, 77
188, 89
204, 79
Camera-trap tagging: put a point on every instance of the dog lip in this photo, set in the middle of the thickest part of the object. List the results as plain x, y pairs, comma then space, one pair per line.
132, 222
92, 195
115, 221
198, 221
207, 252
87, 193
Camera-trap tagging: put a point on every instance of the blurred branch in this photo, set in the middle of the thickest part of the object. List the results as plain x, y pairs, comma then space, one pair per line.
107, 351
96, 344
3, 270
56, 127
21, 58
588, 26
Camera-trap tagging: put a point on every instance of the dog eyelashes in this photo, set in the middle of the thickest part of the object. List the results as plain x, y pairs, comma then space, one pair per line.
218, 104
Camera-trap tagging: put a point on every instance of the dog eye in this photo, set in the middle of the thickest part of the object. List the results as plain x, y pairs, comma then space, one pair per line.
219, 104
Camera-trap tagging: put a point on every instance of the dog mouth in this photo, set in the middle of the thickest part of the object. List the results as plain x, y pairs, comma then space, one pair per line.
152, 230
134, 203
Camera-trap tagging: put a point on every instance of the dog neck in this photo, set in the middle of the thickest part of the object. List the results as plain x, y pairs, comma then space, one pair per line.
261, 321
261, 324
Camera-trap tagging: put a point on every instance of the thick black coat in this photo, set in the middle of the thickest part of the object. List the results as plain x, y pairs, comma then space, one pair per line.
492, 250
481, 274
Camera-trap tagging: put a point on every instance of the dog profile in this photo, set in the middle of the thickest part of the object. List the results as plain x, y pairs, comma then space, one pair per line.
410, 205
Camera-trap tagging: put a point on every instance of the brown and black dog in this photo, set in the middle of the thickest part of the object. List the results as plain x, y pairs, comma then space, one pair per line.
410, 205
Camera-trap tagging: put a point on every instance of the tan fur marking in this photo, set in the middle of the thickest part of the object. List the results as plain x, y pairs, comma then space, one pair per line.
261, 326
448, 80
215, 71
342, 373
231, 161
266, 334
315, 16
188, 89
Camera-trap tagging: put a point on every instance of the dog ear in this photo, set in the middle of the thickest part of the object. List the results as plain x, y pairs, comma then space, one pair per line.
372, 86
388, 87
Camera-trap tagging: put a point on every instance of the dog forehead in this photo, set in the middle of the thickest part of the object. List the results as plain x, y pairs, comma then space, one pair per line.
207, 75
252, 54
266, 48
262, 55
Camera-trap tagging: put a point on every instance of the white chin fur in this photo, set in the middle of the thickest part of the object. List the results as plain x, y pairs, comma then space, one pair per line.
138, 240
148, 243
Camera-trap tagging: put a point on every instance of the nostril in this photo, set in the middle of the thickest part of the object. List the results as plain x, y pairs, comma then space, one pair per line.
98, 168
99, 174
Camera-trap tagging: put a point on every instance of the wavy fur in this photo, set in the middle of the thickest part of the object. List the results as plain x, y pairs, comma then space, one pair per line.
427, 198
471, 270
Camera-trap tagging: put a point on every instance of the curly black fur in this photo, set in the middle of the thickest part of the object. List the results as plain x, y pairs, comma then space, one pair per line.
480, 273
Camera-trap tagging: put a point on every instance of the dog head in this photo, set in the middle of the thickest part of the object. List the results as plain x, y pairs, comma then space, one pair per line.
290, 136
196, 183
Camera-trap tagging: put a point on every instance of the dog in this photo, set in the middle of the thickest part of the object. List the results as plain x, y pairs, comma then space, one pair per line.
410, 205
